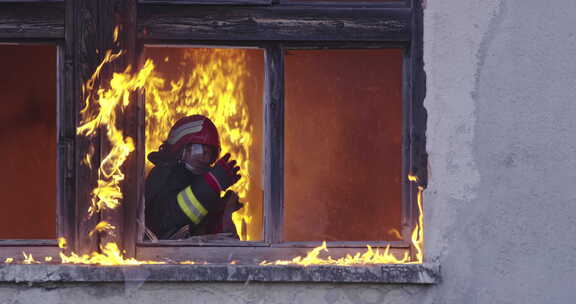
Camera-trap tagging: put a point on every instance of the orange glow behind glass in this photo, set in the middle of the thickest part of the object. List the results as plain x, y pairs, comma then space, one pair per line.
28, 141
343, 165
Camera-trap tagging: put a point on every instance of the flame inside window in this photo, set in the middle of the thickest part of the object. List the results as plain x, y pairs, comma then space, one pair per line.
225, 85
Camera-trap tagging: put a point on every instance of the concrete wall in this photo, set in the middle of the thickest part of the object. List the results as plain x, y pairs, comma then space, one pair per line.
500, 207
210, 293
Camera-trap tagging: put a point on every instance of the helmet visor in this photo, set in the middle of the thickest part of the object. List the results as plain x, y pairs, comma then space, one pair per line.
200, 152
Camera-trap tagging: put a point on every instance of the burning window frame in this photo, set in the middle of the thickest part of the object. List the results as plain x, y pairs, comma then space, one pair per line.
275, 26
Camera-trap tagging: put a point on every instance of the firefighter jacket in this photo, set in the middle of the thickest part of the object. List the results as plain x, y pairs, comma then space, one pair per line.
175, 197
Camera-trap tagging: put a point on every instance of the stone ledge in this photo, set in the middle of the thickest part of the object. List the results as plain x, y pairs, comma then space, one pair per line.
386, 274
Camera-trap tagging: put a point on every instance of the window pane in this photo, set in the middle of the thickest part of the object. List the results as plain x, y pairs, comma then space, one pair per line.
224, 85
28, 140
343, 143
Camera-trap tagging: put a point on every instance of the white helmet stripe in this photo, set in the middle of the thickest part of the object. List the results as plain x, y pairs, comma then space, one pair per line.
185, 129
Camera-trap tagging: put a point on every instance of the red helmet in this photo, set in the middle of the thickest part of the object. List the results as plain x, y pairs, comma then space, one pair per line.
195, 129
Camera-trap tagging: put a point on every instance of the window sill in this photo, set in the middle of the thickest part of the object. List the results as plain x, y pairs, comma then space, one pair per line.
386, 274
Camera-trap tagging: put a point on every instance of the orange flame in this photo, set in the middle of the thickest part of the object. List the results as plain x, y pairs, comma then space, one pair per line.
395, 233
418, 232
116, 33
371, 256
29, 259
101, 227
110, 255
214, 88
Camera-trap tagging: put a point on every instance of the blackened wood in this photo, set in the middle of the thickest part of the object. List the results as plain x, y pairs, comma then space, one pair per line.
27, 243
140, 155
68, 105
130, 122
208, 2
31, 1
80, 63
344, 244
119, 14
89, 34
189, 243
188, 23
243, 255
65, 182
419, 164
339, 45
349, 3
273, 144
287, 45
32, 20
420, 167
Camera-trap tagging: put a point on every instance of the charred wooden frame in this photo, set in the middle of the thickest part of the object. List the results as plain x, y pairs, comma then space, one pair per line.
275, 23
270, 24
273, 144
208, 2
34, 21
320, 3
276, 29
41, 23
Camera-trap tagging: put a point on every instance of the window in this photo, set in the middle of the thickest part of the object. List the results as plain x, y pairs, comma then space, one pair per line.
319, 74
321, 84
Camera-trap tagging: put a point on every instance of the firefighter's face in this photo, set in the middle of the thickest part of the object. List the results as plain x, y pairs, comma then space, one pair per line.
198, 157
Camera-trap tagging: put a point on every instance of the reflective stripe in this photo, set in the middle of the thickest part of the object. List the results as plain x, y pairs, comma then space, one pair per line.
191, 127
191, 206
187, 210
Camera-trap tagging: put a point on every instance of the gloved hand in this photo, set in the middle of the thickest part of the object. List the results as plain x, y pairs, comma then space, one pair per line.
232, 205
223, 175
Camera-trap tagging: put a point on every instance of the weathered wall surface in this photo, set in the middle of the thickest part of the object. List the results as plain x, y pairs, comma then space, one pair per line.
210, 293
500, 207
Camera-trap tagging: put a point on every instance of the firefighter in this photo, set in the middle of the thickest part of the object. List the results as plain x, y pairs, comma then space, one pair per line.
183, 189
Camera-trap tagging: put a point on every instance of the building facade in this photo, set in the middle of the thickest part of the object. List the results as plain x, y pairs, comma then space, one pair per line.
498, 208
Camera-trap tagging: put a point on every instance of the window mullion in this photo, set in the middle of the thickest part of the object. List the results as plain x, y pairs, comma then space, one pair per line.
407, 153
65, 156
418, 165
273, 144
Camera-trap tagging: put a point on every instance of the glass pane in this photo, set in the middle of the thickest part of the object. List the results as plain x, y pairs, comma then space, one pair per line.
28, 140
343, 145
225, 85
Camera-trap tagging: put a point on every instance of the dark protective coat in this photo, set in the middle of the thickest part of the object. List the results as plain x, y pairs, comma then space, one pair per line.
164, 216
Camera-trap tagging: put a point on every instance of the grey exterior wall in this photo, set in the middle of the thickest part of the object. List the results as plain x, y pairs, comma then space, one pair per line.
500, 206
